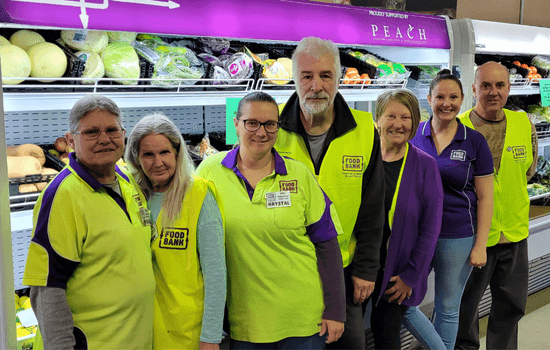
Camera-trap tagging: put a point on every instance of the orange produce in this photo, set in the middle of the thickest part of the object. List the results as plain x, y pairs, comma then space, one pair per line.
525, 66
517, 63
352, 74
365, 78
533, 70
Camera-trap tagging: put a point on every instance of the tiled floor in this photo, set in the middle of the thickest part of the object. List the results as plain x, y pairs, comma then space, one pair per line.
534, 327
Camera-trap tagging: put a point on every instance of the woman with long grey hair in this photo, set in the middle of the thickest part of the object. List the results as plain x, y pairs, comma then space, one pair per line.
188, 245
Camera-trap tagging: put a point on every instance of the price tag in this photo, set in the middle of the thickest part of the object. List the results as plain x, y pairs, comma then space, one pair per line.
278, 199
27, 318
545, 92
80, 35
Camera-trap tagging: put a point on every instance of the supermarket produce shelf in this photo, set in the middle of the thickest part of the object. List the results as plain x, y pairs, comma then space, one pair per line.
540, 196
360, 90
33, 96
63, 94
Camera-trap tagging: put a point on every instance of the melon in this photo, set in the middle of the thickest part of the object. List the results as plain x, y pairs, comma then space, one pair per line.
26, 38
15, 63
47, 61
95, 40
4, 41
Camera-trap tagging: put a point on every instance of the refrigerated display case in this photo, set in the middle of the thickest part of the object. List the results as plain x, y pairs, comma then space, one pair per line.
36, 113
476, 42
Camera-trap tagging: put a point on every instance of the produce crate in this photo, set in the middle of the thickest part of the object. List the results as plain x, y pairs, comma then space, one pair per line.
349, 61
51, 160
377, 81
506, 61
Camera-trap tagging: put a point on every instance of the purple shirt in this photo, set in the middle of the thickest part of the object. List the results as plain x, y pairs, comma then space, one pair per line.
466, 157
416, 225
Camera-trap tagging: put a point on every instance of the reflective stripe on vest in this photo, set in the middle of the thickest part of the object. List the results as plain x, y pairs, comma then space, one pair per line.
511, 201
341, 172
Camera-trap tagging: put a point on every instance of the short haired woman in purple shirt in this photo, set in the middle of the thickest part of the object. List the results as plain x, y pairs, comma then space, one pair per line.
466, 167
413, 207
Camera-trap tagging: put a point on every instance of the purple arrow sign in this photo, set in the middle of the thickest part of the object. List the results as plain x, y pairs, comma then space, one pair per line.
277, 20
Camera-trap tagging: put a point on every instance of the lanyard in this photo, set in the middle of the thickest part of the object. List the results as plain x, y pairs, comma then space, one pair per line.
394, 201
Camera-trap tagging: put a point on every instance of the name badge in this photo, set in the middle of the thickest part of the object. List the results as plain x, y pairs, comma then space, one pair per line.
145, 216
278, 199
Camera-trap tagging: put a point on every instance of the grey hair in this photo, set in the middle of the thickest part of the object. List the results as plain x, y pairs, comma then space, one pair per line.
90, 103
406, 98
316, 47
183, 177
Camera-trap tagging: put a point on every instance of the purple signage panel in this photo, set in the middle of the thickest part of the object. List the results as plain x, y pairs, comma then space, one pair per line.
278, 20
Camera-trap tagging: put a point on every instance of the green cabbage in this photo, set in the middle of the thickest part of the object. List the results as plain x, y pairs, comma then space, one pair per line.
128, 37
95, 41
121, 61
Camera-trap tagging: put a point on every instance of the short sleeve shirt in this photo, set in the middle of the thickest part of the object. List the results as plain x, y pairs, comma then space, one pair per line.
95, 244
274, 287
466, 157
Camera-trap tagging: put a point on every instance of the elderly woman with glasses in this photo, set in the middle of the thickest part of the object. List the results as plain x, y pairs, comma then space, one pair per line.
188, 249
284, 268
89, 261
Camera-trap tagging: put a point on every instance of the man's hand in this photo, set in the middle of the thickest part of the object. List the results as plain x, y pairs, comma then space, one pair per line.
208, 346
400, 290
333, 329
362, 289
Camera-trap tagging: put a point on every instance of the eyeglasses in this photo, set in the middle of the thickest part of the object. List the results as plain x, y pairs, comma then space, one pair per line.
254, 125
93, 134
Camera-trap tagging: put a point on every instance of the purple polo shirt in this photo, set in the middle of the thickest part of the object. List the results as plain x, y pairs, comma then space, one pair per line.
466, 157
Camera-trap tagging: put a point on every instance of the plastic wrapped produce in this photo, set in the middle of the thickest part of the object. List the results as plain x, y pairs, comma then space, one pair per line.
216, 46
175, 65
92, 40
541, 61
221, 76
239, 66
279, 69
213, 60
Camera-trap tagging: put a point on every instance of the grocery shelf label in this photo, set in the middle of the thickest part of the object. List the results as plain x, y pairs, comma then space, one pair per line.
292, 19
545, 92
231, 104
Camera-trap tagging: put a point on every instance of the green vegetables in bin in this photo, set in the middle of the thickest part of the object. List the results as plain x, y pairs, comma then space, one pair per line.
128, 37
171, 65
170, 60
537, 189
121, 61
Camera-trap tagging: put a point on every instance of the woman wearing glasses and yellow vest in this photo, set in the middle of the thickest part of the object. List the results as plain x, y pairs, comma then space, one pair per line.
187, 245
414, 201
284, 266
